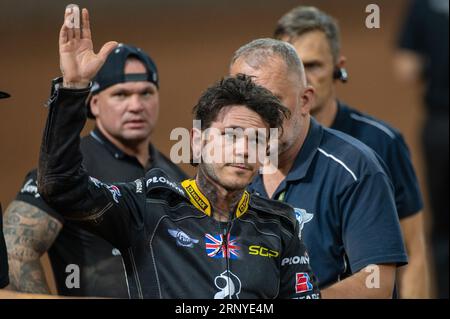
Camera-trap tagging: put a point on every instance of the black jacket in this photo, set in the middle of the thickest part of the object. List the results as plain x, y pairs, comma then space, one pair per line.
170, 248
101, 267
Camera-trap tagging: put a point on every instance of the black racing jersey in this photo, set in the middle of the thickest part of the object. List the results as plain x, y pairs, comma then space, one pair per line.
170, 246
4, 280
101, 268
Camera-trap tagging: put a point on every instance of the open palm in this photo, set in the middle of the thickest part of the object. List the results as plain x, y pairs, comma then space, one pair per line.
78, 62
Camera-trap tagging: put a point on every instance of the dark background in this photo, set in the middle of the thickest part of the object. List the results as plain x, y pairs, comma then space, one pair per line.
191, 42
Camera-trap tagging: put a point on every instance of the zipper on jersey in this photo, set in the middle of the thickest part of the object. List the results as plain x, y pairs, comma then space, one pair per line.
225, 234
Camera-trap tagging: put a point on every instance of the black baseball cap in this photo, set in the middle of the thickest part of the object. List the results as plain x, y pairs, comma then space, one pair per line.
4, 95
113, 70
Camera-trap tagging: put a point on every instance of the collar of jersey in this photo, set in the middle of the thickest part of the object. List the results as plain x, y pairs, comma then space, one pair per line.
202, 203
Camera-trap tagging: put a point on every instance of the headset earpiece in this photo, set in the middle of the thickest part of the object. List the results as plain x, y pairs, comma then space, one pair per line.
340, 74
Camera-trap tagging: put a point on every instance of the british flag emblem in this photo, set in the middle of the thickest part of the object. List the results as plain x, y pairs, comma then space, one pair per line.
216, 246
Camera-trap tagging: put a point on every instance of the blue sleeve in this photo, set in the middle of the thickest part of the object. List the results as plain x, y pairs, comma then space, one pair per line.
370, 227
408, 198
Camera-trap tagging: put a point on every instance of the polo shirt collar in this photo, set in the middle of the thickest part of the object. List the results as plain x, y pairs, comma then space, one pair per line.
113, 149
342, 119
306, 155
302, 162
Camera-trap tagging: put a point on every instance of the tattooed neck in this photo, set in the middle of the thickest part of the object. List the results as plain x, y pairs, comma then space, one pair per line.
223, 202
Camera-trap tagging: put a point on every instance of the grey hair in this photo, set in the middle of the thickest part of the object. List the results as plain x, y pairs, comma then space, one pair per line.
301, 20
258, 52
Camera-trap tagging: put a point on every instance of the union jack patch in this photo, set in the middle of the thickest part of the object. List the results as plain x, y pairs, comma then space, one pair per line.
215, 247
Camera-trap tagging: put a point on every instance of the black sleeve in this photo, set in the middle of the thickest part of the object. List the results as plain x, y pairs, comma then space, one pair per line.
4, 279
111, 211
29, 194
297, 279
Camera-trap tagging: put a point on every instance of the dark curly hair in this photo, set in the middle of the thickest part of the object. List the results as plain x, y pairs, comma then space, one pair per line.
240, 90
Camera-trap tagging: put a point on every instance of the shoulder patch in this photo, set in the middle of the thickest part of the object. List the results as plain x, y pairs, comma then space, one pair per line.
274, 207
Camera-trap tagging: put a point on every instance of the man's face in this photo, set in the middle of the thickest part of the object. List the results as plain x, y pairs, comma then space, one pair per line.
128, 111
314, 50
284, 85
227, 158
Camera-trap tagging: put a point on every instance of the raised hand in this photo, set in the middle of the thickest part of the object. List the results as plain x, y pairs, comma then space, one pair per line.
78, 62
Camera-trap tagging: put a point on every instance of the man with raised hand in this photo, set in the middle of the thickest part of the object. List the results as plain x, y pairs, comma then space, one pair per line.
204, 238
124, 102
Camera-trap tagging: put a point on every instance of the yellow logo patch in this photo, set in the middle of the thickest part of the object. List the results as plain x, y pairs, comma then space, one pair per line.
262, 251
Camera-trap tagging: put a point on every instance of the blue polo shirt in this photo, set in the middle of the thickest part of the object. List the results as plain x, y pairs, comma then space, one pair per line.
345, 205
389, 144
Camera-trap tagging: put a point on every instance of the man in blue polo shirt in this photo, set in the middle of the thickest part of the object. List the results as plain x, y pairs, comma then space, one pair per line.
343, 198
316, 38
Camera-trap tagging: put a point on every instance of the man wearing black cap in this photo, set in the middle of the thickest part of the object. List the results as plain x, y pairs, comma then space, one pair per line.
3, 256
124, 101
